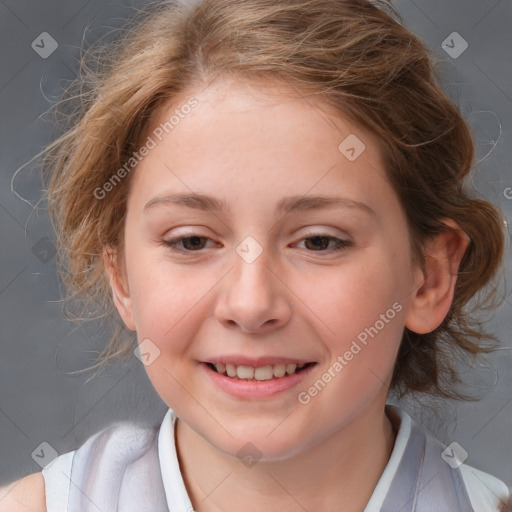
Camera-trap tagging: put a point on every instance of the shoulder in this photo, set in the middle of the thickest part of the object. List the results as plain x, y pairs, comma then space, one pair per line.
485, 491
114, 447
121, 440
24, 495
102, 461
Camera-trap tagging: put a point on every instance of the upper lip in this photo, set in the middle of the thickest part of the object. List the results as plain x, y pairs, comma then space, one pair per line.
239, 360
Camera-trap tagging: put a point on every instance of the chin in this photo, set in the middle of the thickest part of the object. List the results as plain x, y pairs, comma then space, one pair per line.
259, 444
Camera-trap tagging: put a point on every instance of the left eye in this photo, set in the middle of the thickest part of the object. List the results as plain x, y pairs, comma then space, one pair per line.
320, 243
315, 243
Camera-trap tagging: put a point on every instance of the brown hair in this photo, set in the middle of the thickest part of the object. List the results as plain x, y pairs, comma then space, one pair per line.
360, 61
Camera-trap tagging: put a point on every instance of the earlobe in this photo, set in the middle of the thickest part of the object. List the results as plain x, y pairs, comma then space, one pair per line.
119, 286
433, 295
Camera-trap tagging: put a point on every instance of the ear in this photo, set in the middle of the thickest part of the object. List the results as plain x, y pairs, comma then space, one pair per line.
433, 295
119, 285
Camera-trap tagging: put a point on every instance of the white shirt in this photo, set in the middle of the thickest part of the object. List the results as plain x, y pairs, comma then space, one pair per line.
485, 491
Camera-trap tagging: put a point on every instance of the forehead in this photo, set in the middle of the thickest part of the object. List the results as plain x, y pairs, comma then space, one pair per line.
257, 136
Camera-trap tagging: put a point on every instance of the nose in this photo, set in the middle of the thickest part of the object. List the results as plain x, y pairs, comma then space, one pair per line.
253, 297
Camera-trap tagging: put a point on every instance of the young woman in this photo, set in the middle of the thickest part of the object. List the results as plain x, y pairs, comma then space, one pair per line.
271, 194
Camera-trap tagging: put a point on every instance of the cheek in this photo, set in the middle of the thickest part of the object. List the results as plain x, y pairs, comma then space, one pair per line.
162, 298
365, 319
169, 303
169, 306
362, 317
153, 281
352, 297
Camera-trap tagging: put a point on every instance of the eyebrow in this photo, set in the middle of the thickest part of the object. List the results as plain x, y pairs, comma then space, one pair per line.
286, 205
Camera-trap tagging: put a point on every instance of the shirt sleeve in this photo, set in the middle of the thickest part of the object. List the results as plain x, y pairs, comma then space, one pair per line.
57, 481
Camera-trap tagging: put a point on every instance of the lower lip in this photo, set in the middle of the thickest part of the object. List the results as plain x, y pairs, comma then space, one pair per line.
248, 389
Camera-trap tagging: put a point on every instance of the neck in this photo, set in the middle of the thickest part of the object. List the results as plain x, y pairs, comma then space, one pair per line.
341, 472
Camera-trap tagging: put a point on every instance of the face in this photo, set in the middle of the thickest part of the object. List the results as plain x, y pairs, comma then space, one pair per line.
254, 240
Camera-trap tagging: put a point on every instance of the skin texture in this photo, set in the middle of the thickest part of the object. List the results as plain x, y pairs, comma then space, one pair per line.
25, 495
250, 150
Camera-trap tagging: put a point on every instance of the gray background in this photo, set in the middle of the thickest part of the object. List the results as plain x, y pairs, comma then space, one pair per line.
41, 400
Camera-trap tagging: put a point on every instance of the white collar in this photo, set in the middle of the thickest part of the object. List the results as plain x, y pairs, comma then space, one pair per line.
174, 486
402, 425
176, 492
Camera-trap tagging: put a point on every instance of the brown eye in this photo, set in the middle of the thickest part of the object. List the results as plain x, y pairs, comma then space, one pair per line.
186, 243
318, 242
193, 242
325, 243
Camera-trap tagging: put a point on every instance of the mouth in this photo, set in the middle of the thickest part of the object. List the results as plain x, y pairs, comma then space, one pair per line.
260, 373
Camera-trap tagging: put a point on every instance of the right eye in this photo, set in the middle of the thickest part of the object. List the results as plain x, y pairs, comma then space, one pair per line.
192, 243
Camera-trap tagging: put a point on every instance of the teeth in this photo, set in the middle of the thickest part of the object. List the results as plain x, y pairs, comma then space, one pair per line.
279, 370
245, 372
290, 368
231, 370
261, 373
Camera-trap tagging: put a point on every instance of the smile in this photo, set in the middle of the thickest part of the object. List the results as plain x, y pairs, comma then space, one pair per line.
259, 373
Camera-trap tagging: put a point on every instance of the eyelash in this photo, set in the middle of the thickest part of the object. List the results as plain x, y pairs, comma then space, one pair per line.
341, 245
